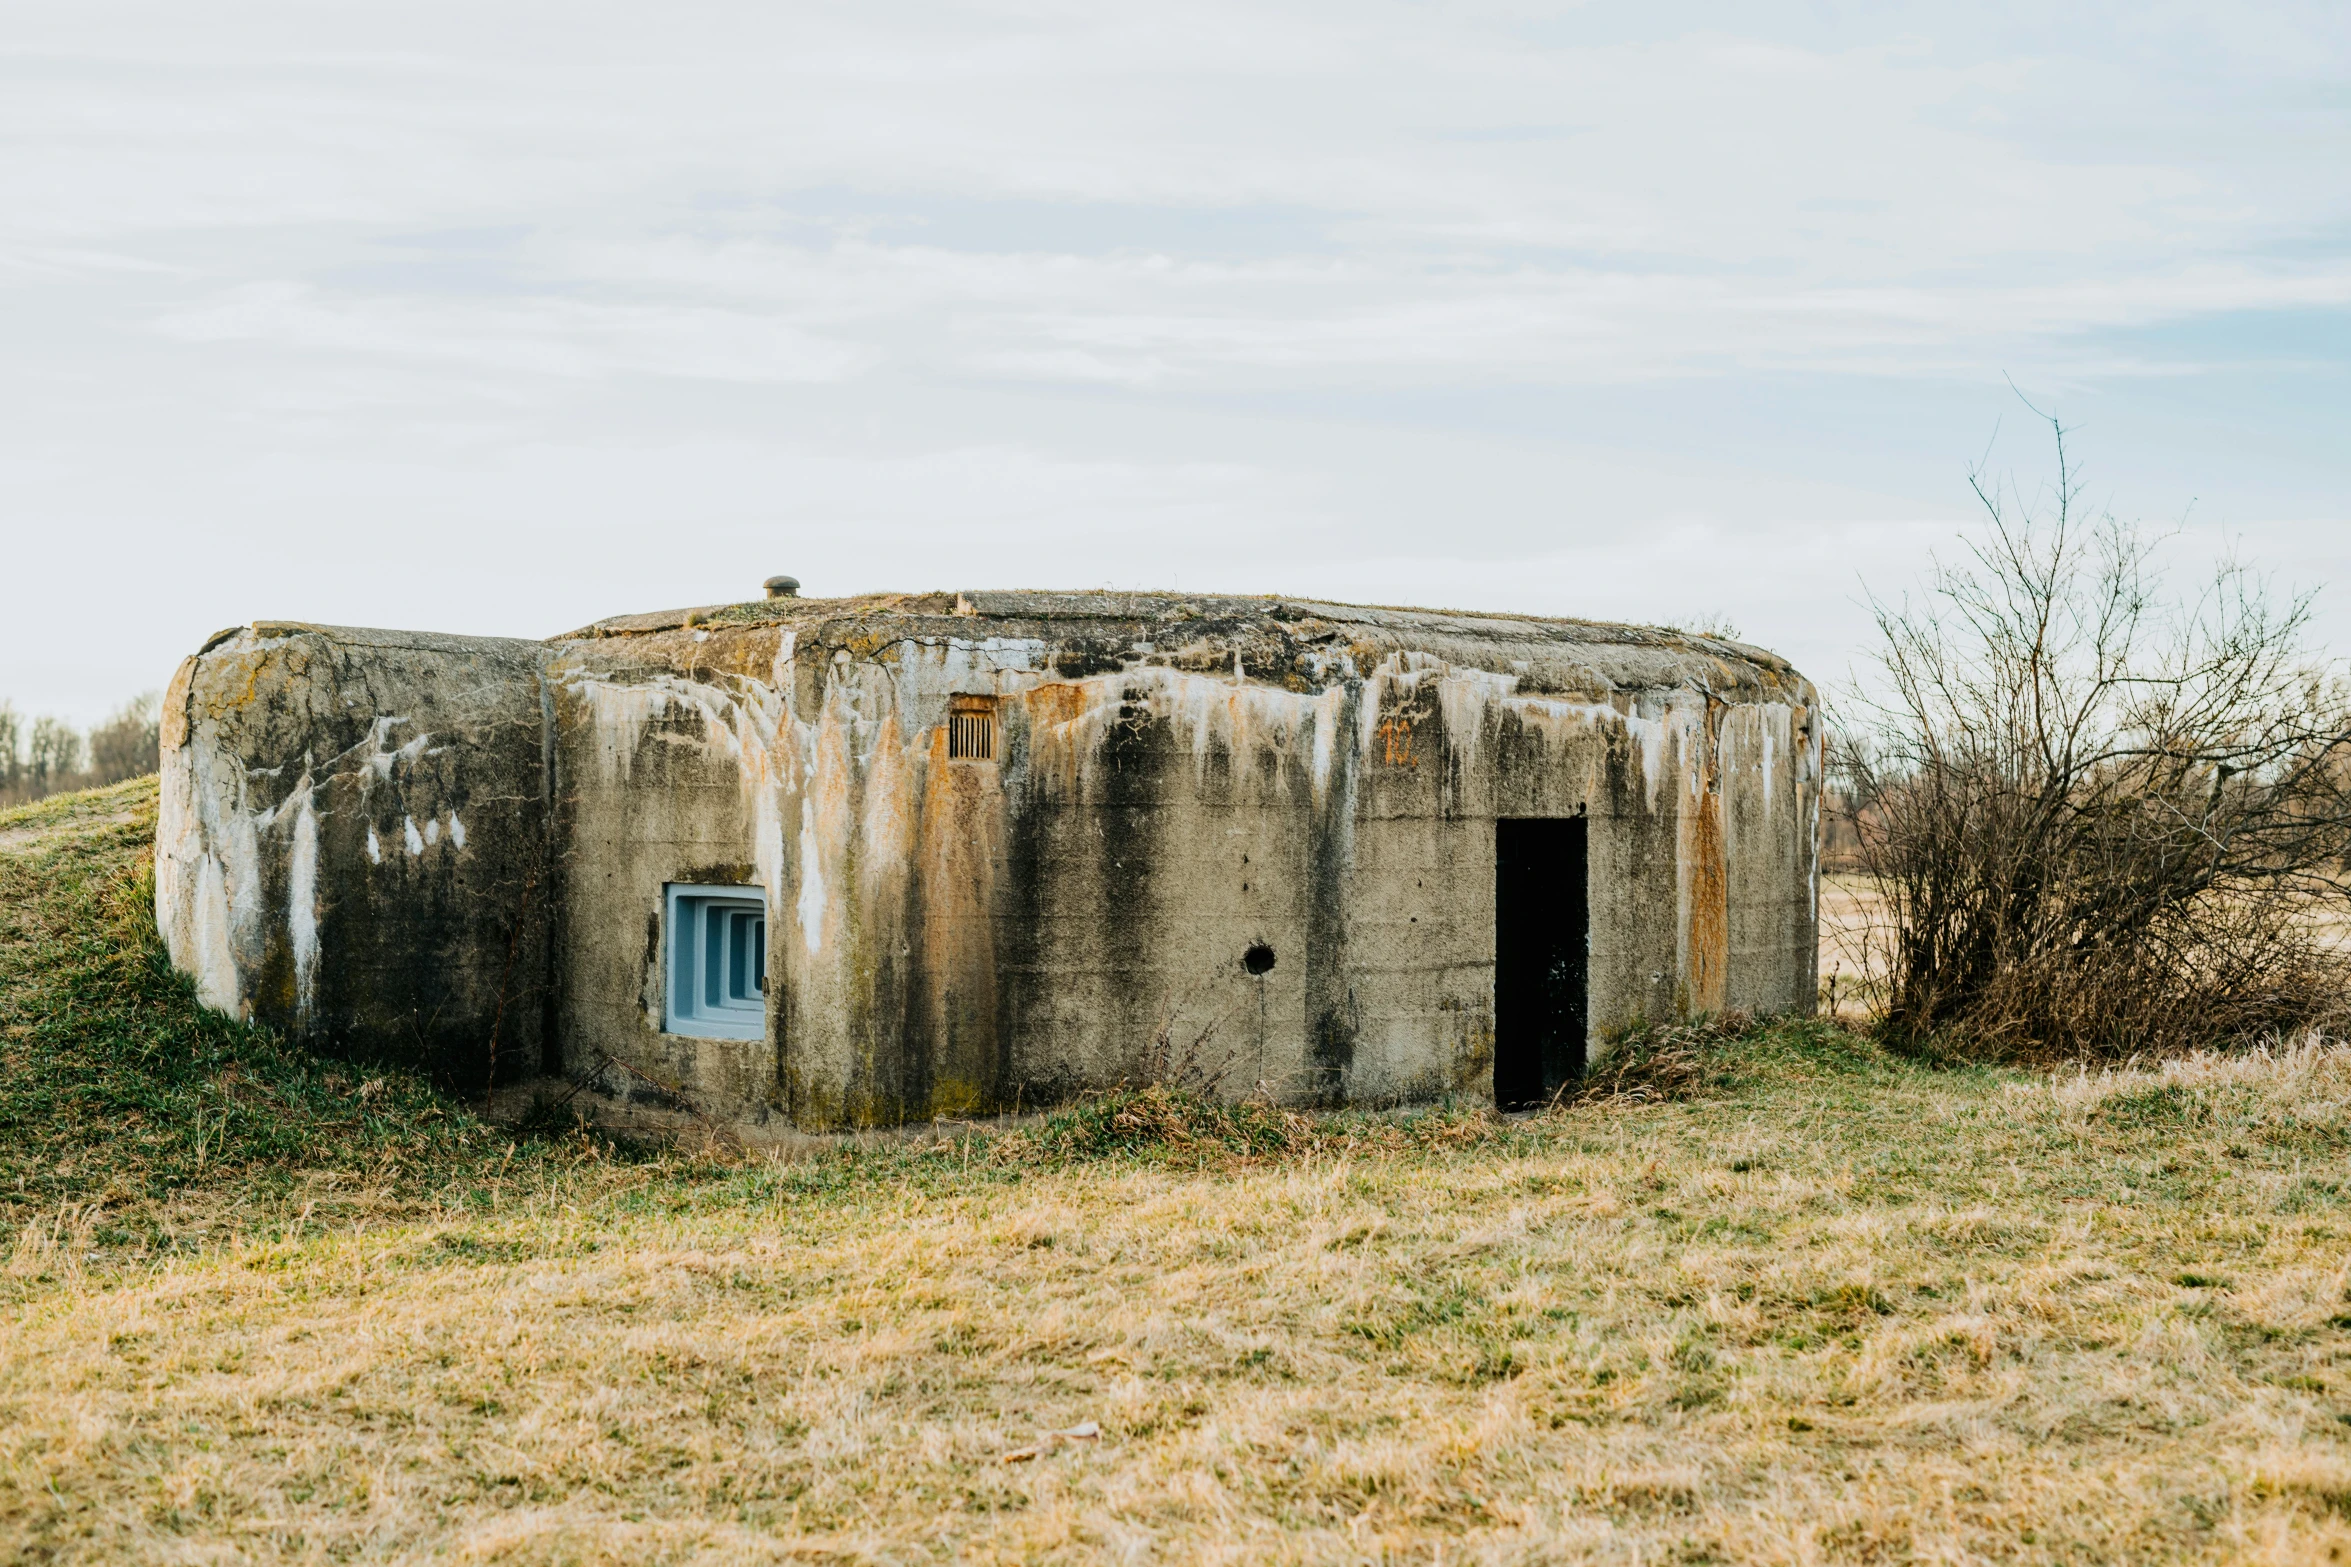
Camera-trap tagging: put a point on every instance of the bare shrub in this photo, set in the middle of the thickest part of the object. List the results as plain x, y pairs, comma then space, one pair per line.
2102, 818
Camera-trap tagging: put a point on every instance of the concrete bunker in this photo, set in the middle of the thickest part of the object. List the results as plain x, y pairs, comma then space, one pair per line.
873, 860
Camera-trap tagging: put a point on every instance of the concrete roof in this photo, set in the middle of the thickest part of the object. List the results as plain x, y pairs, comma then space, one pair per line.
1550, 652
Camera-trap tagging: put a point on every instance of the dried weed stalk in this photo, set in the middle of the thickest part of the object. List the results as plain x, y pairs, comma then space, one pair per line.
1172, 1127
1654, 1063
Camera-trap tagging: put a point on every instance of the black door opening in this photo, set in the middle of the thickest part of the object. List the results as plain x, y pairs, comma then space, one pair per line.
1542, 929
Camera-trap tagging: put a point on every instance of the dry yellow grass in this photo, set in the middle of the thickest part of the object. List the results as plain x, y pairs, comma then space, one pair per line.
1847, 1310
1850, 910
1843, 1309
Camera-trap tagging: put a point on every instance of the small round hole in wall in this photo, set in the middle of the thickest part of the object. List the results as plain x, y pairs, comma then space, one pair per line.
1258, 959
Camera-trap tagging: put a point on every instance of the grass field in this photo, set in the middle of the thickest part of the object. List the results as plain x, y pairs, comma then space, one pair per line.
1831, 1307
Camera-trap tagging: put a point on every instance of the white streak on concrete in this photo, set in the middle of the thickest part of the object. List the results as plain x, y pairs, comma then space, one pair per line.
1692, 750
618, 715
413, 838
1248, 719
1464, 697
1367, 710
375, 850
1650, 732
236, 839
302, 899
215, 958
432, 831
456, 830
209, 846
811, 881
1647, 737
381, 753
1327, 709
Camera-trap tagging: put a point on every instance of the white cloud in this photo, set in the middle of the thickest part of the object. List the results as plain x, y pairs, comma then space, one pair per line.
749, 311
530, 336
428, 314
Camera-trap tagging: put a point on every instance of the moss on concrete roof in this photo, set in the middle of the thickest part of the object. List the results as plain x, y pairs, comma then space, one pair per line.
1547, 652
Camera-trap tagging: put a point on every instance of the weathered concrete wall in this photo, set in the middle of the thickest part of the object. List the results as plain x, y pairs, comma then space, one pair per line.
1174, 782
1170, 789
353, 840
670, 752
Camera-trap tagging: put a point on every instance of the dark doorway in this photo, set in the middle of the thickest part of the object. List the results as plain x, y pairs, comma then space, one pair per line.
1542, 929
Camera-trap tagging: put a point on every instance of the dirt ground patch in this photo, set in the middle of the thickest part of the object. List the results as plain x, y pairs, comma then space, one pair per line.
28, 827
1848, 907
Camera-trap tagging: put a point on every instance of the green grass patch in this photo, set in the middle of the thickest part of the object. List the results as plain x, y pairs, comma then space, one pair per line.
118, 1087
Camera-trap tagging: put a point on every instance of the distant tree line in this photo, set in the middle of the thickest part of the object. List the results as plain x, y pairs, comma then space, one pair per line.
48, 755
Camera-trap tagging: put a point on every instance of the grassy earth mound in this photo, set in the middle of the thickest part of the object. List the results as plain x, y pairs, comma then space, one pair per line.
118, 1090
1762, 1295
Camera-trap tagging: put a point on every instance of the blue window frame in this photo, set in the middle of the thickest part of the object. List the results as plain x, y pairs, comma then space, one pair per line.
717, 983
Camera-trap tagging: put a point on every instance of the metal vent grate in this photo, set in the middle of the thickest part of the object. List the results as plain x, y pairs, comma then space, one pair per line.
971, 732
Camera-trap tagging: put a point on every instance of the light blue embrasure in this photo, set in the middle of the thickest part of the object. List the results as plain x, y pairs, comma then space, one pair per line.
717, 982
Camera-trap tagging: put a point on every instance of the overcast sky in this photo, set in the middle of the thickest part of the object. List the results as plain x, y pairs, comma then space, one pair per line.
499, 318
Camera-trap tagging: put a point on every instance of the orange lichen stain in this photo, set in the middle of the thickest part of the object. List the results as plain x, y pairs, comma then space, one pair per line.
1707, 883
962, 821
236, 682
1396, 736
1710, 933
867, 643
1058, 735
1059, 703
745, 652
175, 706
